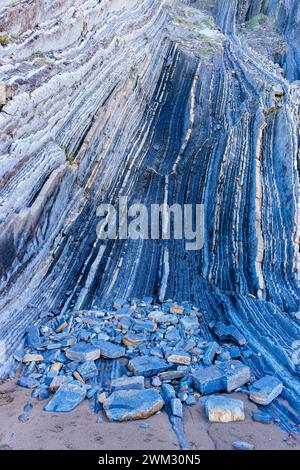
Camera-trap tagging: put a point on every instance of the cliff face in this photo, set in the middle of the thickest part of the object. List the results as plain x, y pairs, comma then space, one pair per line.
158, 100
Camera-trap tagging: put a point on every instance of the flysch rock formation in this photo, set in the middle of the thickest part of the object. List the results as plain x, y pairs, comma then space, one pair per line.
158, 100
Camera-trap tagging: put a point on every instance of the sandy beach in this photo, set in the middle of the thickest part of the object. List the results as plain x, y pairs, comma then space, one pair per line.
79, 430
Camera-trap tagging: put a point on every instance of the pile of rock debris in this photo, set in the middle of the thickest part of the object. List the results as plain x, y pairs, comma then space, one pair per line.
156, 357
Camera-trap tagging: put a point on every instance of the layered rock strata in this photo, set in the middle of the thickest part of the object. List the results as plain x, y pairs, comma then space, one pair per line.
159, 101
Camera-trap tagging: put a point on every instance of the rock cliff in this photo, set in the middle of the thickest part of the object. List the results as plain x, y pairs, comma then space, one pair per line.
158, 100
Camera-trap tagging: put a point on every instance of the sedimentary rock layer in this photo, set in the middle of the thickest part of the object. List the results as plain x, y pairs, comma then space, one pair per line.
157, 101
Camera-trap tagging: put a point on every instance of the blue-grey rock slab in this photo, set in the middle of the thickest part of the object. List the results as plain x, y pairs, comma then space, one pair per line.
191, 400
41, 393
83, 352
87, 370
144, 325
220, 409
190, 323
175, 374
133, 340
225, 377
208, 380
109, 350
66, 399
176, 407
147, 365
178, 357
127, 383
173, 335
235, 374
33, 338
229, 332
28, 382
127, 405
168, 392
261, 417
210, 353
265, 390
160, 317
242, 445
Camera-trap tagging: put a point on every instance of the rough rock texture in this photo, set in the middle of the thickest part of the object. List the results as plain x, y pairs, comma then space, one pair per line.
126, 405
158, 101
220, 409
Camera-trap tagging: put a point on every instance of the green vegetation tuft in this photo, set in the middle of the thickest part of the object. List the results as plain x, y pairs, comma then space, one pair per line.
256, 21
69, 158
5, 39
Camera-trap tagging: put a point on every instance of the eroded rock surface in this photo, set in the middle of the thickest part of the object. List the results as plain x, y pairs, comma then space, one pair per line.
158, 100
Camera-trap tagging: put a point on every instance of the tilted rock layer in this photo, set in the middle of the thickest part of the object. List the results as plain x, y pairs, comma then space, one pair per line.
158, 100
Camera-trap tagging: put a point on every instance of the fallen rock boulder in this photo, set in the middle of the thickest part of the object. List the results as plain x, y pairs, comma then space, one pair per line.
83, 352
66, 399
229, 332
109, 350
178, 357
265, 390
222, 377
127, 383
127, 405
147, 365
221, 409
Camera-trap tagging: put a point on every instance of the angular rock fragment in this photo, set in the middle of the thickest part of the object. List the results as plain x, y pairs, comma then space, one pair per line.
278, 91
265, 390
156, 382
83, 352
242, 445
173, 335
33, 358
210, 353
28, 382
224, 377
176, 407
177, 309
229, 332
168, 392
133, 339
56, 367
157, 316
62, 325
208, 380
190, 323
57, 382
41, 393
68, 340
102, 397
178, 357
33, 338
143, 325
87, 370
66, 399
175, 374
109, 350
261, 417
127, 383
235, 374
147, 365
221, 409
126, 405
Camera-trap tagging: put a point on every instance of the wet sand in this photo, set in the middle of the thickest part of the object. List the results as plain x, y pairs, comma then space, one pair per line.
80, 430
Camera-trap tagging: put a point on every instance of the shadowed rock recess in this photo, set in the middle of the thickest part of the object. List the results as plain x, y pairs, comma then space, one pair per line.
158, 100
